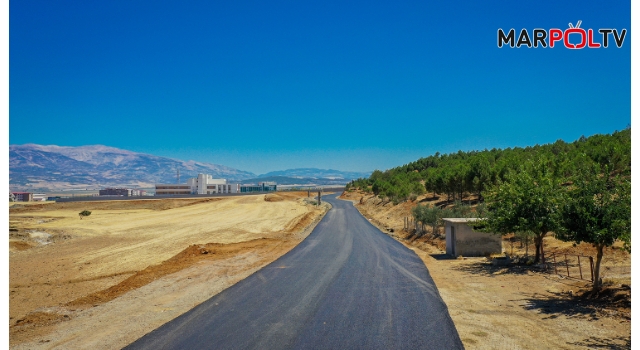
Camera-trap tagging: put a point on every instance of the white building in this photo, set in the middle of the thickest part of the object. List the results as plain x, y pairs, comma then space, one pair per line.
203, 184
39, 197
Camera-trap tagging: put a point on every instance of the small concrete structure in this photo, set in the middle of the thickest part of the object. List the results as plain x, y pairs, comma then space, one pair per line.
462, 240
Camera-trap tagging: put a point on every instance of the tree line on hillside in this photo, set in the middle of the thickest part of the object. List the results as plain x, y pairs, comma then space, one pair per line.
472, 172
581, 191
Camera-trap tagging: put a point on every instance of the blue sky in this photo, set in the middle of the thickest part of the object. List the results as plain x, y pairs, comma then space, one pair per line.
268, 86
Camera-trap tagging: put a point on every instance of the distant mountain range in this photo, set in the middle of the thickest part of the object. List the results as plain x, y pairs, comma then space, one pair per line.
37, 167
305, 181
55, 167
310, 176
313, 173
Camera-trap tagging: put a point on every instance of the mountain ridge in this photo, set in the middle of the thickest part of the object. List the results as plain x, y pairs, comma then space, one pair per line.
52, 167
63, 167
317, 173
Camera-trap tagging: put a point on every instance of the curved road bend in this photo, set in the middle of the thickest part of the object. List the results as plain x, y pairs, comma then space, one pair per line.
346, 286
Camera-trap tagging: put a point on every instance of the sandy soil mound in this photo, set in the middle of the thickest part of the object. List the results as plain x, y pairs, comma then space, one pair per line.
273, 198
184, 259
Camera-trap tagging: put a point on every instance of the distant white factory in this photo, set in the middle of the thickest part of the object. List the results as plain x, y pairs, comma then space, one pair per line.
203, 184
206, 184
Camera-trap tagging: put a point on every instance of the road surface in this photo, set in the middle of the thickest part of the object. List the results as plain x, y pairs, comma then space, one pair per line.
347, 286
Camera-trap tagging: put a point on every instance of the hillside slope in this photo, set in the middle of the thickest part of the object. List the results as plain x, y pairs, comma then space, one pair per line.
35, 166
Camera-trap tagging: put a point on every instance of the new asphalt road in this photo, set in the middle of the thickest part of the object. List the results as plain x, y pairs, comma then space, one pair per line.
347, 286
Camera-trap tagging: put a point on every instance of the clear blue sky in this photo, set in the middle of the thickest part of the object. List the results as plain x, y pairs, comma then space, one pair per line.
264, 86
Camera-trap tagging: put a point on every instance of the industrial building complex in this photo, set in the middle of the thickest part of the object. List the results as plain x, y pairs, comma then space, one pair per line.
203, 184
206, 184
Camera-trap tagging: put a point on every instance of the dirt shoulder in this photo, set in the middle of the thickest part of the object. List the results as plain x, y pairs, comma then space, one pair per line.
516, 307
106, 280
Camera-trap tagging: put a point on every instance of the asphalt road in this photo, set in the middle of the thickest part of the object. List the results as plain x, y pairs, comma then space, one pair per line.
347, 286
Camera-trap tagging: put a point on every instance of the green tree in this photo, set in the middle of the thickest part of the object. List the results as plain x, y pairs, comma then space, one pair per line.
461, 210
430, 216
84, 213
481, 210
481, 174
528, 200
597, 211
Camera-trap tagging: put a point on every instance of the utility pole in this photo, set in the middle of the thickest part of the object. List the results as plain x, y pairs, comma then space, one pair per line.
178, 175
319, 198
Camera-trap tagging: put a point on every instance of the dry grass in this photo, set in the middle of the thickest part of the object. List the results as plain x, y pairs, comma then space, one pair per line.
58, 260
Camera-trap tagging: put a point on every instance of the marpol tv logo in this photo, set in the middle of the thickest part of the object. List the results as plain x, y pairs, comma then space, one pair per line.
572, 38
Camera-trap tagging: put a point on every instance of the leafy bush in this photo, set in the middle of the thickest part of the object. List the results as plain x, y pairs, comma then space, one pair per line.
461, 210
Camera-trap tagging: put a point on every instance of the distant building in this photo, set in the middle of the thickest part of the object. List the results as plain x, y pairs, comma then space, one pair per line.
261, 187
124, 192
39, 197
112, 191
461, 239
162, 189
23, 196
203, 184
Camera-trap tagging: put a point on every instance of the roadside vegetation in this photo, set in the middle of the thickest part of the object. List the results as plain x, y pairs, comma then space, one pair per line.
580, 191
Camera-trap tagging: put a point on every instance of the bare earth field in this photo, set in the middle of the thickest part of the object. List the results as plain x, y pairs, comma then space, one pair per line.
105, 280
517, 307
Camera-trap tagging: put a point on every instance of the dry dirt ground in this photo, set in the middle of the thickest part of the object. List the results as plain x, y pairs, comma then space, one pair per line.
107, 279
516, 307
